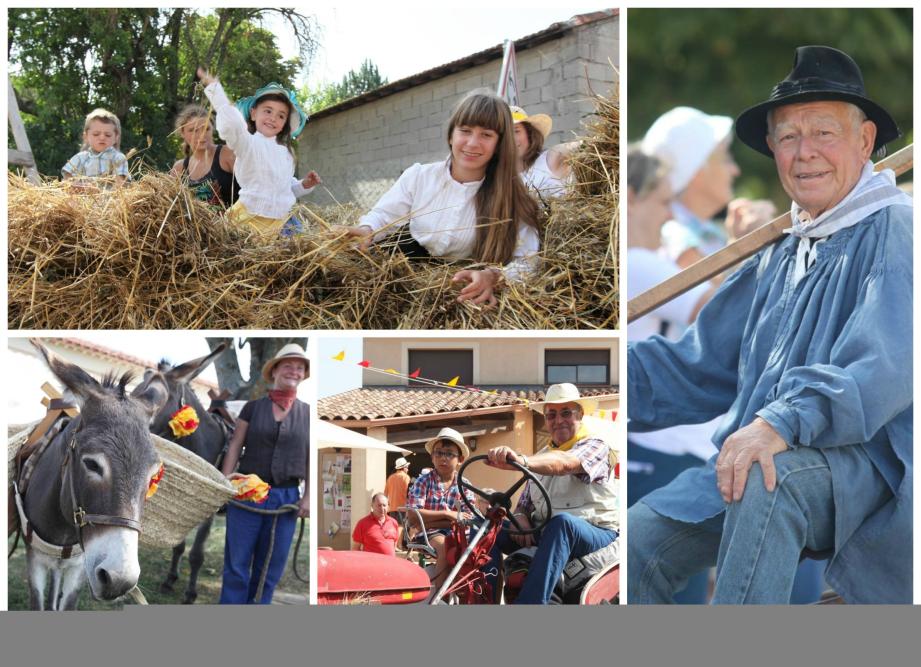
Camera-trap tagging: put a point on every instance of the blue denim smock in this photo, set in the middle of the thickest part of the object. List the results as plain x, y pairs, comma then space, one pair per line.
828, 363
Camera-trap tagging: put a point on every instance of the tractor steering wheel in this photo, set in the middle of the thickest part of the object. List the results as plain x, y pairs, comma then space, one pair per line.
504, 498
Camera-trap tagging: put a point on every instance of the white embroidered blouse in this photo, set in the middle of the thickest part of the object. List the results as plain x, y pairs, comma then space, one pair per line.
264, 168
441, 213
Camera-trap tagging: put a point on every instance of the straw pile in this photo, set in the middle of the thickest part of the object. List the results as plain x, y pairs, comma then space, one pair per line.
149, 256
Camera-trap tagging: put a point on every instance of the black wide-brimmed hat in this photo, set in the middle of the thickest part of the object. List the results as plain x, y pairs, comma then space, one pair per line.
820, 73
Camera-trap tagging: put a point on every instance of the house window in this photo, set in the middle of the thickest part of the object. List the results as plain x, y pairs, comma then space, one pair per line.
442, 365
577, 366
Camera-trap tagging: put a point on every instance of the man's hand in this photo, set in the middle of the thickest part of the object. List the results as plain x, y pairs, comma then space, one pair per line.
756, 442
499, 457
480, 286
303, 507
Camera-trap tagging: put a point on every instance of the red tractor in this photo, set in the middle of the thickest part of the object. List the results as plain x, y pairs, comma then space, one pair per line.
357, 577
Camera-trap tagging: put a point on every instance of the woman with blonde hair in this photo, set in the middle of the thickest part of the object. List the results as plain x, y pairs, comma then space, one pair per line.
473, 205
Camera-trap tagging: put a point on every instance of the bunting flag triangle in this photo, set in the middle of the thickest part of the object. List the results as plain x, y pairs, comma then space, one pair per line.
340, 356
453, 381
364, 364
415, 373
392, 371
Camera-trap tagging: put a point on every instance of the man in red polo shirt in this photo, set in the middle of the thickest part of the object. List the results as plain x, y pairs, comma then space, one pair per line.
377, 532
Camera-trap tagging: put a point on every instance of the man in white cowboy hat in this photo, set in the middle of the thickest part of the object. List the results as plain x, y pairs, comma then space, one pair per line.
807, 349
437, 496
577, 469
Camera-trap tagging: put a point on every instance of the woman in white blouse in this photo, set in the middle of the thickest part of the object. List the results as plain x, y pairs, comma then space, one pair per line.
471, 206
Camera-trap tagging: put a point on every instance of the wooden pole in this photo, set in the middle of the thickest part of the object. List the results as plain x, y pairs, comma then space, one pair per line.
23, 156
713, 265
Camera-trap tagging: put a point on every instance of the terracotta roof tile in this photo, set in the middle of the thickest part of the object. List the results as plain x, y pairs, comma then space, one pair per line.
369, 403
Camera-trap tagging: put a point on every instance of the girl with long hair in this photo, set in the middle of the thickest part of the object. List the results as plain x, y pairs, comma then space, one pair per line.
207, 168
473, 205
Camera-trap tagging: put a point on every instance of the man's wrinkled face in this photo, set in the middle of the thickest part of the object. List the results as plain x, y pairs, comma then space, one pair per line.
380, 506
820, 149
563, 421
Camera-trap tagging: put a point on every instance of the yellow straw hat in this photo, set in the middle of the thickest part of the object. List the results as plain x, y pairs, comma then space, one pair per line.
540, 121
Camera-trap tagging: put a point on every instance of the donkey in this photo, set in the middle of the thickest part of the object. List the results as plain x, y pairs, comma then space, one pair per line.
208, 441
85, 491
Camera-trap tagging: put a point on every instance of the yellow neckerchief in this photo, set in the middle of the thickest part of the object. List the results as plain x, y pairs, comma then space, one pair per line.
581, 434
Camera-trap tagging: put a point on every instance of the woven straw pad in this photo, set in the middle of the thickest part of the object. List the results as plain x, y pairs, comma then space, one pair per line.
191, 490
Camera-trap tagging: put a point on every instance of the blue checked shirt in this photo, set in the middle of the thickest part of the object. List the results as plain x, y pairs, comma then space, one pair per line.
91, 164
428, 493
593, 453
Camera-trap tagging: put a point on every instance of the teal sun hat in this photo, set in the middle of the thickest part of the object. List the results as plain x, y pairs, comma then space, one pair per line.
297, 120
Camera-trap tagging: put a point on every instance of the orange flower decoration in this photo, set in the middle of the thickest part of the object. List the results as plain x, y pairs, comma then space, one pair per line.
184, 421
155, 482
251, 488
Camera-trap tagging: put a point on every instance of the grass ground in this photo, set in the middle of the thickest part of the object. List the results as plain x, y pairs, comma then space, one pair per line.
154, 566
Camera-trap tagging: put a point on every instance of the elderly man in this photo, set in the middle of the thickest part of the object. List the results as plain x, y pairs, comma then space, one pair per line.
577, 469
807, 348
378, 531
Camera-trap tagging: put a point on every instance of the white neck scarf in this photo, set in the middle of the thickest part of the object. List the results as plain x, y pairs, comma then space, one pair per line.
873, 192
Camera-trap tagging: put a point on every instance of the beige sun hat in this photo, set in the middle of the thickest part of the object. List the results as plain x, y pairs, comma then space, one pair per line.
541, 121
289, 351
566, 392
451, 436
400, 463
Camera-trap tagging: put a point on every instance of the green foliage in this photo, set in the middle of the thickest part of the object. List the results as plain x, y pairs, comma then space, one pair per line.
140, 64
368, 77
724, 61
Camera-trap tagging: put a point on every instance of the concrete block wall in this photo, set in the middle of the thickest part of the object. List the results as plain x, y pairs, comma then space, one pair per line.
360, 152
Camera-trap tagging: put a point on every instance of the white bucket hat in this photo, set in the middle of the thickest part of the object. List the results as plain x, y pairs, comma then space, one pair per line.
566, 392
451, 436
289, 351
684, 138
400, 463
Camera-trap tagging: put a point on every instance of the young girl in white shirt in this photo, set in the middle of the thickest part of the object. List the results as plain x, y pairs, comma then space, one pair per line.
259, 130
471, 206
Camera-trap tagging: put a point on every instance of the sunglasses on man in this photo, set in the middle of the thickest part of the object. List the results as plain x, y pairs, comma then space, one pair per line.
565, 413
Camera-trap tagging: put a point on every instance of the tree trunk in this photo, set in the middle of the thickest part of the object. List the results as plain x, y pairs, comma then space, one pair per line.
228, 368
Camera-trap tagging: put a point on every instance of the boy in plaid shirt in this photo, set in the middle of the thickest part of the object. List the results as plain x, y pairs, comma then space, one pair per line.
437, 496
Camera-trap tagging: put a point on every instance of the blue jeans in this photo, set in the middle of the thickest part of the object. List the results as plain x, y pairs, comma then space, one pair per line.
291, 227
757, 546
647, 470
247, 543
563, 538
